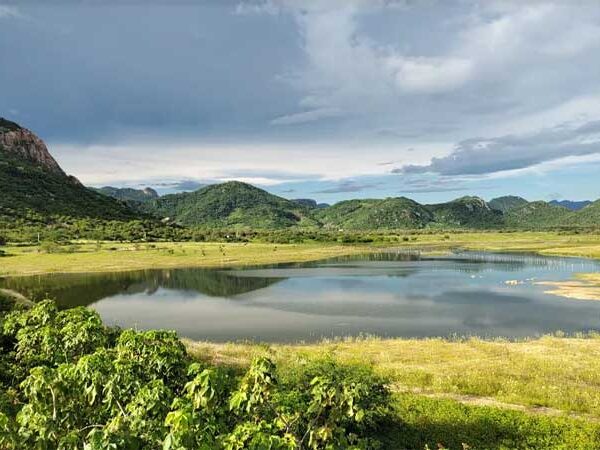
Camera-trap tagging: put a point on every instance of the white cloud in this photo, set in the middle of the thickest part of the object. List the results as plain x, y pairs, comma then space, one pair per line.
528, 55
307, 116
429, 75
266, 164
514, 152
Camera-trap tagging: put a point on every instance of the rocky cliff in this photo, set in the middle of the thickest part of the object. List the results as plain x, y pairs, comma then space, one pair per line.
23, 144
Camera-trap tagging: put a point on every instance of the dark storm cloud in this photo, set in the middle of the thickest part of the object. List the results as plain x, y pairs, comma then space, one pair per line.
89, 72
170, 90
485, 156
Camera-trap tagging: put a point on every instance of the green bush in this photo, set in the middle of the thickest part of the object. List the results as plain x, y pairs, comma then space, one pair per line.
70, 382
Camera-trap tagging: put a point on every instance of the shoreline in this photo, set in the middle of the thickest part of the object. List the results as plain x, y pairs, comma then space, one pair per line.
115, 257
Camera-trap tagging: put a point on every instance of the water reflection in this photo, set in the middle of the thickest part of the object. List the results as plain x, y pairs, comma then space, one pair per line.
71, 290
388, 294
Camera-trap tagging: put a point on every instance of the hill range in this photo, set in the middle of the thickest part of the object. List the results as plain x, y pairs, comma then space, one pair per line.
32, 184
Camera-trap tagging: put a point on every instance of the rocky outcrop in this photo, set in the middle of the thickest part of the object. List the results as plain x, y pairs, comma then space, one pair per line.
23, 144
151, 193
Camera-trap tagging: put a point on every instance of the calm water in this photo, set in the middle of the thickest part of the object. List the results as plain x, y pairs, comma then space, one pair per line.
388, 294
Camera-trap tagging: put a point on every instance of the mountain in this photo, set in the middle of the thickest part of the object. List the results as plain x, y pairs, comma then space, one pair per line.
370, 214
310, 203
588, 216
22, 145
32, 182
129, 195
539, 215
465, 212
572, 205
232, 204
505, 204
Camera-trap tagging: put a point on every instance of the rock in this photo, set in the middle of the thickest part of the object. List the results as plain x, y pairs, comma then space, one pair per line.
25, 145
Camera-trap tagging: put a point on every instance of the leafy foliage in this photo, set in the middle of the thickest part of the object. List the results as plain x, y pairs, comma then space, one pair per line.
71, 383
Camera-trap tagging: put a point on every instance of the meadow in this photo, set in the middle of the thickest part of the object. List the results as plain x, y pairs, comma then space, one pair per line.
469, 393
87, 256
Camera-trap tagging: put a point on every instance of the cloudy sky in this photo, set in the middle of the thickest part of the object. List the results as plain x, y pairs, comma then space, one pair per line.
326, 99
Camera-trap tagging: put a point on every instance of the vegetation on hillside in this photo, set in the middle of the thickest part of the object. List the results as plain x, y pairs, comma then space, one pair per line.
29, 192
539, 215
506, 203
390, 213
238, 206
233, 204
466, 212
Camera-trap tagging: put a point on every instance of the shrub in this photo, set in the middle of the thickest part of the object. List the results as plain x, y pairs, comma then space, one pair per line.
49, 247
79, 384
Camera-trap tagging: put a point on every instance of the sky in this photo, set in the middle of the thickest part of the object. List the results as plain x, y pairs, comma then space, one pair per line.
322, 99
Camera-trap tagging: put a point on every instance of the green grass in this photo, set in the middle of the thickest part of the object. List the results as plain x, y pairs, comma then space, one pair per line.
419, 422
485, 394
553, 372
87, 257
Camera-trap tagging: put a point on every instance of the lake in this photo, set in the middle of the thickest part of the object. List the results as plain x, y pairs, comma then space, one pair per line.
389, 294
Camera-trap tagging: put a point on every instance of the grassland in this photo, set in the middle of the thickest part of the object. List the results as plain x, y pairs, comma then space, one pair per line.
535, 394
92, 257
552, 372
119, 257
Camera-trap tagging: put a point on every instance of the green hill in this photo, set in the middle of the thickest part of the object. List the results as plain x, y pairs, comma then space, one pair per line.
371, 214
539, 215
505, 204
33, 184
466, 212
232, 204
588, 216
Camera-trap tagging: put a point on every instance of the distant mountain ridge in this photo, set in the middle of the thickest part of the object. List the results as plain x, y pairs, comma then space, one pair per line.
572, 205
129, 194
236, 204
310, 203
